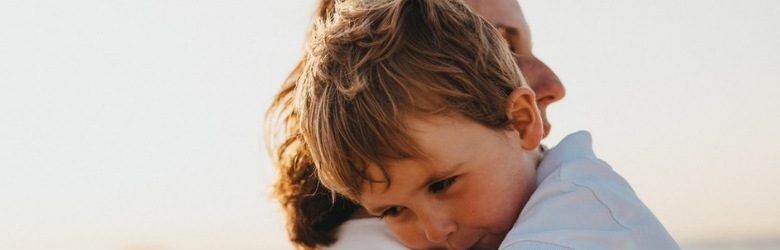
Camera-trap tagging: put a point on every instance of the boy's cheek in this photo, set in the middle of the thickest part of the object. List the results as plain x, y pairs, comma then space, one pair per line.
507, 204
488, 210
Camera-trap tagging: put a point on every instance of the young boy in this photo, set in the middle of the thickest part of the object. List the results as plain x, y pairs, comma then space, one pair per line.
417, 111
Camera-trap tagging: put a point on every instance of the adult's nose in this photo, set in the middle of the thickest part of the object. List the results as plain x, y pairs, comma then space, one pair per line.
547, 86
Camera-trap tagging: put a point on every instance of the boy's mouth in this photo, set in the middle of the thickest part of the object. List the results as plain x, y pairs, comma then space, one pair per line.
478, 244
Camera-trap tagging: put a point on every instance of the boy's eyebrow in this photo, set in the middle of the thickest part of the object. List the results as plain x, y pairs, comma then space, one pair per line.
439, 176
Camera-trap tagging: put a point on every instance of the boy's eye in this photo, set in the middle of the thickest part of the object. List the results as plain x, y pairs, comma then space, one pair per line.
390, 212
439, 186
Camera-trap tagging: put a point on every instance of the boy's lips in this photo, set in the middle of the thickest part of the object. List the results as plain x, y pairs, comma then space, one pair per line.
477, 244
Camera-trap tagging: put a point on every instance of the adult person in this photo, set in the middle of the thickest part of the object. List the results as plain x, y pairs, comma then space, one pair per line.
313, 213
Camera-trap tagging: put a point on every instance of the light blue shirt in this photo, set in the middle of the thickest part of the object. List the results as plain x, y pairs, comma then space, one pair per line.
581, 203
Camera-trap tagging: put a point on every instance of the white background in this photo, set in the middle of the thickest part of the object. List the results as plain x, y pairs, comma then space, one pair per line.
138, 124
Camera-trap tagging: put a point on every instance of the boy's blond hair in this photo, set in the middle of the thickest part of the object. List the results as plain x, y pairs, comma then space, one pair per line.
374, 62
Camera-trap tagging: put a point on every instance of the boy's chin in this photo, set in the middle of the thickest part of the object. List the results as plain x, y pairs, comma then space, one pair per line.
488, 242
484, 242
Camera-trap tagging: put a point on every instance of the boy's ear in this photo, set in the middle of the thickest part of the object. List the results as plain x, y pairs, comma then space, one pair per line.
524, 116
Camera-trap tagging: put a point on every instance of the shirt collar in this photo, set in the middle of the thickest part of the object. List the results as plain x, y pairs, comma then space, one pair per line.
574, 146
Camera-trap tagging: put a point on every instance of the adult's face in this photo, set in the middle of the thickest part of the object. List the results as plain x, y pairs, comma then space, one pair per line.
508, 17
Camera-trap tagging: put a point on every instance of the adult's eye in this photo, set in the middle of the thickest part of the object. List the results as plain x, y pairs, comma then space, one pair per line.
510, 35
440, 186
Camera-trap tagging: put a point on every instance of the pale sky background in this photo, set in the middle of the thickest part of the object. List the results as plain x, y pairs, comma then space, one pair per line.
138, 124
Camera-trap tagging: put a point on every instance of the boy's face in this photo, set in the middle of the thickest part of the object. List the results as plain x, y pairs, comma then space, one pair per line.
507, 15
466, 193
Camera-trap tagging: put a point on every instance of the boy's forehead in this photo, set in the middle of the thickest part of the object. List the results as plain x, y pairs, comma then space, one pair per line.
442, 142
444, 139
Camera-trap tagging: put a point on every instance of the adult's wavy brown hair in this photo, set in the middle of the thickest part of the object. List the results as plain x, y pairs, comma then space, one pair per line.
313, 215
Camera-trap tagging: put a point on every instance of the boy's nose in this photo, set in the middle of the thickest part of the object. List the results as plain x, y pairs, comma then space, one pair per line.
437, 226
